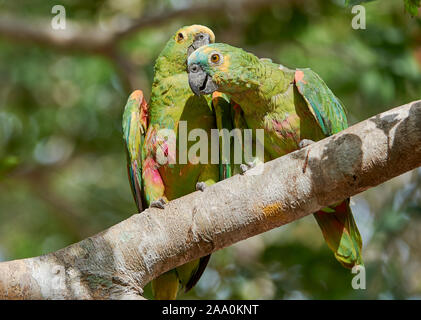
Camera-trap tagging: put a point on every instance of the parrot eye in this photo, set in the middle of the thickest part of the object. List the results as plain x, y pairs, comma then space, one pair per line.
180, 37
215, 58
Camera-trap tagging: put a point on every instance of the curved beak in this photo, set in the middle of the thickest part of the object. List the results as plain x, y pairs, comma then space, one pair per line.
201, 39
200, 82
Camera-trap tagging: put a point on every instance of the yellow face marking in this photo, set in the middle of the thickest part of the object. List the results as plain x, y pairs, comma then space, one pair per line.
195, 29
225, 64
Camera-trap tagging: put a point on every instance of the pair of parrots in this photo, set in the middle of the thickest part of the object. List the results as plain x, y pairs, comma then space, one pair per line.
294, 107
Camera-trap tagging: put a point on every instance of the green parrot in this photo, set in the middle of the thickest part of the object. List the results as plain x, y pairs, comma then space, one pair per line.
293, 107
151, 134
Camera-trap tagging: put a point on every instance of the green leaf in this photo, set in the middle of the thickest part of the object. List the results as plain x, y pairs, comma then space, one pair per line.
7, 164
412, 6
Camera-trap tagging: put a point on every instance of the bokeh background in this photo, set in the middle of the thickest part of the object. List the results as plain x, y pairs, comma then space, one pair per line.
62, 162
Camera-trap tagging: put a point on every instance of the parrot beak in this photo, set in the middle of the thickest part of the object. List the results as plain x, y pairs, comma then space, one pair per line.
200, 82
200, 40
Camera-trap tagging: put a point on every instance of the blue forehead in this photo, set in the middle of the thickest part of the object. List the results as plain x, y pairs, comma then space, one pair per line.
200, 56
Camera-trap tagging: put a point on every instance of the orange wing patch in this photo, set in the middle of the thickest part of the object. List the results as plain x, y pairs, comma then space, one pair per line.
137, 95
299, 76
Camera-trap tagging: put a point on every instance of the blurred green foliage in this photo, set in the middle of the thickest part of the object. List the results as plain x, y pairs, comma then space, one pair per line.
62, 162
411, 6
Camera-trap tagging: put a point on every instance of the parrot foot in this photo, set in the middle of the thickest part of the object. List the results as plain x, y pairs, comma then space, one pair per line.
201, 186
302, 144
305, 143
245, 167
160, 203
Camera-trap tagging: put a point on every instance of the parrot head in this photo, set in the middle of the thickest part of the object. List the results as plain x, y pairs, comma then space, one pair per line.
183, 43
221, 67
194, 37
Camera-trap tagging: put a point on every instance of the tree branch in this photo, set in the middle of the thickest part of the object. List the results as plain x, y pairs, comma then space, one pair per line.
92, 39
75, 37
120, 261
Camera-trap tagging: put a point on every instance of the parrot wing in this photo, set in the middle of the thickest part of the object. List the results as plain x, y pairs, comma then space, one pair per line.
336, 222
323, 104
135, 123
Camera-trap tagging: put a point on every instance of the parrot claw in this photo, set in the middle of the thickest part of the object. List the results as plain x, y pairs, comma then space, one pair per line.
160, 203
201, 186
245, 167
305, 143
251, 164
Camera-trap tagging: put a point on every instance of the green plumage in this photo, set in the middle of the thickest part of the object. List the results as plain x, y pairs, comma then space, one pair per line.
145, 128
290, 105
328, 110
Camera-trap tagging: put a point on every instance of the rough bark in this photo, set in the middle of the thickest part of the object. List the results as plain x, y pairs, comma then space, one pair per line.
119, 261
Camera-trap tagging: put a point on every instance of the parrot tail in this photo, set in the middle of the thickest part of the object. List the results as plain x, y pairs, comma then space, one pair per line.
165, 287
341, 233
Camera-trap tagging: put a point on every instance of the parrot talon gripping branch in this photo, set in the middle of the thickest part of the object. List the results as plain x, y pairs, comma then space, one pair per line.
305, 143
200, 186
246, 167
160, 203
